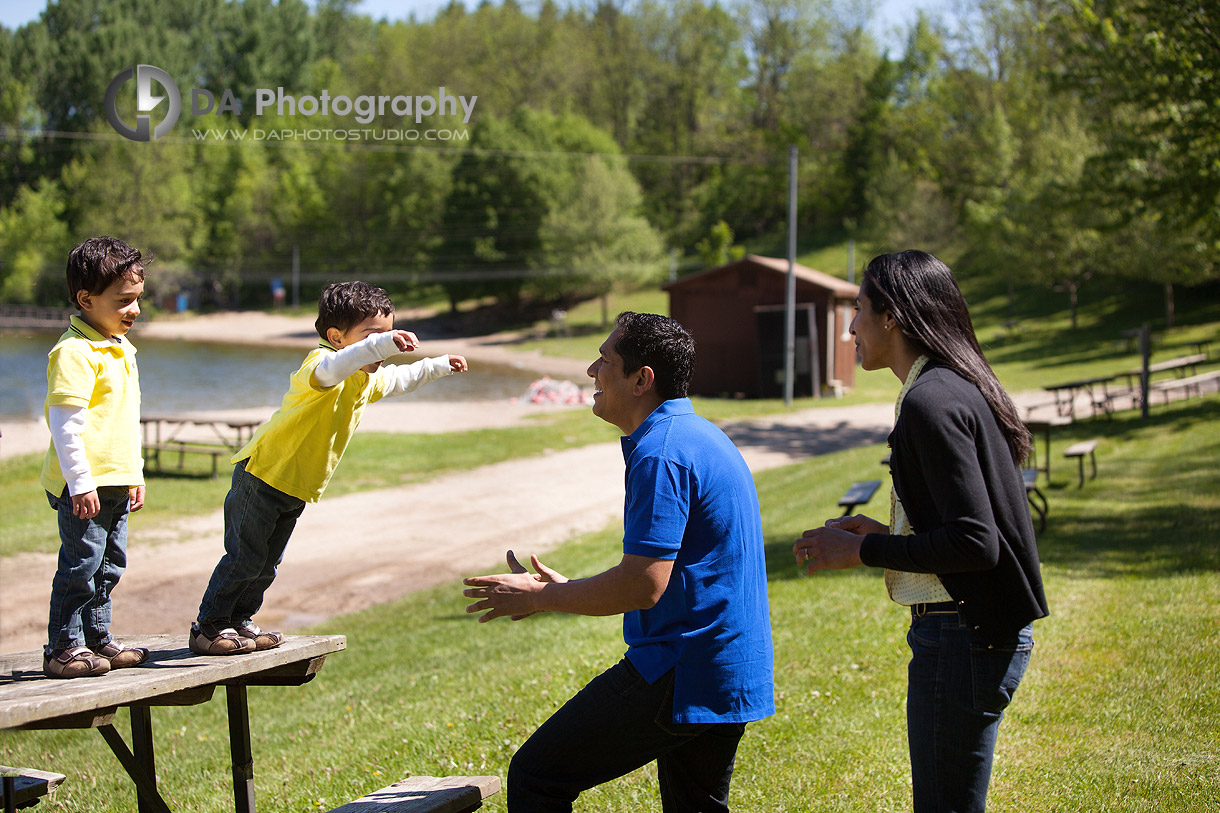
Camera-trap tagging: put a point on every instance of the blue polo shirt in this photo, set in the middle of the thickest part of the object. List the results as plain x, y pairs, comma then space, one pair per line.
691, 498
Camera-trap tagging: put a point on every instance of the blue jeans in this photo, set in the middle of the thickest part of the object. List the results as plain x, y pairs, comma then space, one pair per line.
958, 688
92, 557
614, 725
258, 522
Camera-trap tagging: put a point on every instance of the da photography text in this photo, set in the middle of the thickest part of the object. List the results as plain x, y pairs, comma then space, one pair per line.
362, 108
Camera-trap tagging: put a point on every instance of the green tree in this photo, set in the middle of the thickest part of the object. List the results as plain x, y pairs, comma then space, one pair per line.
34, 244
1151, 69
504, 215
139, 192
593, 239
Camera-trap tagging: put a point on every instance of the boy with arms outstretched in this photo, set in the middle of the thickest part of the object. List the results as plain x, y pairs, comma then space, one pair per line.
291, 458
93, 471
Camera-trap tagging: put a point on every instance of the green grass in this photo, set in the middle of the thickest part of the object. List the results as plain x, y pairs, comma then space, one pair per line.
1120, 709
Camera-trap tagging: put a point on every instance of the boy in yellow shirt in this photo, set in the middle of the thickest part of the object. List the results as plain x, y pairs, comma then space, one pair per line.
291, 458
93, 472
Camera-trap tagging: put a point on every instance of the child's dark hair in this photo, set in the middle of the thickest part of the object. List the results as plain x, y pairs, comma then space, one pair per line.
344, 305
96, 263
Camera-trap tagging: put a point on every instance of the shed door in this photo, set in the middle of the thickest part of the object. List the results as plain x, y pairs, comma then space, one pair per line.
769, 322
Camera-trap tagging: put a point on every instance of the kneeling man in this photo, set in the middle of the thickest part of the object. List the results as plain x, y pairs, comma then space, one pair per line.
692, 588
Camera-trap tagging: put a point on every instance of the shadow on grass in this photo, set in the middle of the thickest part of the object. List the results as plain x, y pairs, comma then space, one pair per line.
803, 440
1147, 543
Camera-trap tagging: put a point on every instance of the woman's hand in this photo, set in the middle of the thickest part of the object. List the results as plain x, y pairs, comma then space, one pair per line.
831, 547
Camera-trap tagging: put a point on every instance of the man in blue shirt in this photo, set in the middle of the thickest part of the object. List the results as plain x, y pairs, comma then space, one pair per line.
692, 587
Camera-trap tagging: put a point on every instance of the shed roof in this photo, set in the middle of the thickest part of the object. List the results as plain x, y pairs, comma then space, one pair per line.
839, 287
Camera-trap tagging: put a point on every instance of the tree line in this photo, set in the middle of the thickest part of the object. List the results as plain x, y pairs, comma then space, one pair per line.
1045, 141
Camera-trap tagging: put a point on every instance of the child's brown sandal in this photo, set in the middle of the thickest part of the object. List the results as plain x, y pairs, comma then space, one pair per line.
221, 642
261, 638
74, 662
121, 657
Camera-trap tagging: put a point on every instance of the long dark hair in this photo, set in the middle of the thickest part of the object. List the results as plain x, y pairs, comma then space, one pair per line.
920, 292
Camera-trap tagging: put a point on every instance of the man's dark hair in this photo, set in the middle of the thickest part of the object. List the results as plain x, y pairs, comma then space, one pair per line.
344, 305
646, 339
97, 262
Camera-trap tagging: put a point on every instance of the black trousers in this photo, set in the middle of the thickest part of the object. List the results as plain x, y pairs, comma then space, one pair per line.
614, 725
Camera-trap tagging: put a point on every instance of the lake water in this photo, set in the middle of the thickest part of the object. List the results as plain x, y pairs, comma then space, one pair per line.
178, 376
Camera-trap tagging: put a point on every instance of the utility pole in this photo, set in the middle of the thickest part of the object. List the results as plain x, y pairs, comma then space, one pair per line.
790, 299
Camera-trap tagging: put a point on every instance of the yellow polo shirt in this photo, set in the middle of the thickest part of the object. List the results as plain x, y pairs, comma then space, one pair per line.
85, 369
297, 450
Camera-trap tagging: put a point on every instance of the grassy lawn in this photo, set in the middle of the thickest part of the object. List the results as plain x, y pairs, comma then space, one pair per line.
1120, 709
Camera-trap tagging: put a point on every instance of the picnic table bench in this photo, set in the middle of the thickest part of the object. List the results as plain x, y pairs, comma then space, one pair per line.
859, 494
1180, 366
1193, 383
173, 676
1037, 500
427, 794
1078, 451
23, 787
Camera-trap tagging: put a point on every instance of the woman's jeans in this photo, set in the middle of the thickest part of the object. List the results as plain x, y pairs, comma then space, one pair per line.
258, 522
957, 691
92, 557
614, 725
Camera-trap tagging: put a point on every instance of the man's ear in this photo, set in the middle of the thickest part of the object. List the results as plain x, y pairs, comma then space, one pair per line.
334, 336
645, 380
84, 300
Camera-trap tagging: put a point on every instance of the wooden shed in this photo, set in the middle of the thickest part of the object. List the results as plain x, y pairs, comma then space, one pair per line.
736, 314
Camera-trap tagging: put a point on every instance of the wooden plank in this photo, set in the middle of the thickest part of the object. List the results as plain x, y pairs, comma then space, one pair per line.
427, 794
30, 784
27, 696
1080, 449
860, 492
83, 719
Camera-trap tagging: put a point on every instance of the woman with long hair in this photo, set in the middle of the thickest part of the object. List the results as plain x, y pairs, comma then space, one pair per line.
959, 548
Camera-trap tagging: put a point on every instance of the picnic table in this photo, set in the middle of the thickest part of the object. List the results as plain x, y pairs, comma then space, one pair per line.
1065, 394
1179, 365
162, 434
1044, 426
173, 676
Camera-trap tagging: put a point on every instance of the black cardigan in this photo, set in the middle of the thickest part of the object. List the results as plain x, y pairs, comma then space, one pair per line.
966, 503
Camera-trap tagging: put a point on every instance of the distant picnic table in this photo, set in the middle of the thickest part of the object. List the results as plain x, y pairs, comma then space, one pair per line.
1103, 395
1066, 393
162, 434
173, 676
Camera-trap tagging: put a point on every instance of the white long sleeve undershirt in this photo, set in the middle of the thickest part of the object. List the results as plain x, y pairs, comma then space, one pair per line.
67, 426
378, 347
342, 363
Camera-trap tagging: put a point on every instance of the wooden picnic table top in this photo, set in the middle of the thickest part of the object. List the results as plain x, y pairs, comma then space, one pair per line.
232, 421
1049, 422
29, 697
1169, 364
1084, 382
